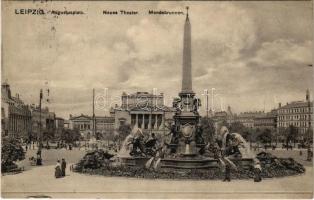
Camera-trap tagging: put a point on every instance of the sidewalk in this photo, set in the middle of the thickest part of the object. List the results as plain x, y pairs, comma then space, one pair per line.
41, 181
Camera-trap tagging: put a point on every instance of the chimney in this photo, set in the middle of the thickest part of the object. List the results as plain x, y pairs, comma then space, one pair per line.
279, 105
307, 97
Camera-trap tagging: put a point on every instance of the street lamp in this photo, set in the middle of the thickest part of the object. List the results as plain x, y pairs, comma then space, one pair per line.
39, 160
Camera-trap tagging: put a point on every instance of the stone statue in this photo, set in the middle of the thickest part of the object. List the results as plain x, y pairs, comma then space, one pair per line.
137, 144
151, 145
174, 135
199, 135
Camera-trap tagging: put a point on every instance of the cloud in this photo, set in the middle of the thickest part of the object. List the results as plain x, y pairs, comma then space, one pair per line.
244, 49
281, 52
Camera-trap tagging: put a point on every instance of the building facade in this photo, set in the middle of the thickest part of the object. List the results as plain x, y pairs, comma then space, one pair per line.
81, 122
144, 110
224, 116
43, 121
84, 123
59, 123
247, 118
66, 124
15, 115
266, 121
104, 124
298, 114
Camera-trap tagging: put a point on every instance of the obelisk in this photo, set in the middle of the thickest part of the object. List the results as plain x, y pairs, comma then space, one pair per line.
186, 65
187, 117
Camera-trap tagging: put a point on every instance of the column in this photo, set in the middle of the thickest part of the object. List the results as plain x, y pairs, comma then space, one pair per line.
156, 122
9, 124
18, 123
136, 120
150, 121
14, 123
162, 122
143, 122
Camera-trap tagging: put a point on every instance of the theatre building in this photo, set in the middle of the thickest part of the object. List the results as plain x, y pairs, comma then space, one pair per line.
144, 110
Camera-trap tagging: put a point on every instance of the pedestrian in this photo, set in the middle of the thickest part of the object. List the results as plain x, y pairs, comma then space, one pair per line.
58, 172
227, 172
257, 172
309, 154
300, 153
63, 166
26, 147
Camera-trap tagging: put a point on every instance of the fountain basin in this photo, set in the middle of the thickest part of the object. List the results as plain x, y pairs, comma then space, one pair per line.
134, 161
179, 163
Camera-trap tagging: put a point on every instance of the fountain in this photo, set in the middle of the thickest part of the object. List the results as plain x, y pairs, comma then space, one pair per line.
187, 145
187, 152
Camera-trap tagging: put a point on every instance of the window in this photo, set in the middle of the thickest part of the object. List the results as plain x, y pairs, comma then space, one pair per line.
122, 122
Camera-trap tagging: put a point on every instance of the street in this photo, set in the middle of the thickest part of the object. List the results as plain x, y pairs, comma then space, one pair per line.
40, 180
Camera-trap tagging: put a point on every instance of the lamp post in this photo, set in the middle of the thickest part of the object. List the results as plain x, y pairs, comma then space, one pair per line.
94, 124
39, 160
213, 98
40, 132
206, 93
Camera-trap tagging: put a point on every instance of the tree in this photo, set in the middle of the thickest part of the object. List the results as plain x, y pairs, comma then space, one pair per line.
291, 134
237, 127
265, 137
99, 136
47, 136
309, 136
246, 134
224, 123
208, 129
11, 151
70, 136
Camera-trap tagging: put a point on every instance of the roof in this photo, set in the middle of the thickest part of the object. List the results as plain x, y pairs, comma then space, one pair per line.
80, 117
105, 118
266, 116
251, 114
59, 118
17, 100
220, 114
297, 104
142, 94
153, 108
5, 83
87, 117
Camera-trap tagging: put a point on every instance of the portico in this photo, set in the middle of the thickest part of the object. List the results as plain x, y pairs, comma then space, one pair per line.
147, 120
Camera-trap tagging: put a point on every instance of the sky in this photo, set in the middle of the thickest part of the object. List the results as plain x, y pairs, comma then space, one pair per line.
255, 54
